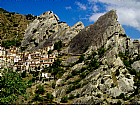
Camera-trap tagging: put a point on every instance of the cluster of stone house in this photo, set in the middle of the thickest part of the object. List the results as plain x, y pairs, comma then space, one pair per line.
26, 61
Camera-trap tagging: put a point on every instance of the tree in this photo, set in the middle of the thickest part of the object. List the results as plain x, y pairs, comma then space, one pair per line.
40, 89
64, 99
11, 86
58, 45
7, 44
23, 74
101, 51
56, 69
81, 59
49, 96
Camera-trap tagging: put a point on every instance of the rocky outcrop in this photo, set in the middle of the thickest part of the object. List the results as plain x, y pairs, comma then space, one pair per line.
104, 75
47, 29
136, 66
100, 63
97, 34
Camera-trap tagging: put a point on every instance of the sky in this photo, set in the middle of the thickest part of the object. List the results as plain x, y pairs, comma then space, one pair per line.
87, 11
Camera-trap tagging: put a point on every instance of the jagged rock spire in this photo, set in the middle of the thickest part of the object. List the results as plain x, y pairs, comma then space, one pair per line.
96, 34
47, 27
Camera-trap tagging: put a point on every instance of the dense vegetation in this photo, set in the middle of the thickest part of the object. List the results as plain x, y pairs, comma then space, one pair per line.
12, 85
8, 43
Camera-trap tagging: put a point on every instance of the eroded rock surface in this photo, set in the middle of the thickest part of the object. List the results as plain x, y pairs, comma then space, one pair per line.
47, 29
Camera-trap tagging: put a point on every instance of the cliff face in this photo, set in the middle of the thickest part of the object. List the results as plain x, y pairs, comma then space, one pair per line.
48, 29
97, 34
106, 70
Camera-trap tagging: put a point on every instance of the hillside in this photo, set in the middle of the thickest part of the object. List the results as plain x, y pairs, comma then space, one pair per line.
97, 64
12, 27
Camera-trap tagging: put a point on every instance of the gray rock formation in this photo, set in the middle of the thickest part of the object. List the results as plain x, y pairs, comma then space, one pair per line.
48, 28
136, 66
105, 41
97, 34
100, 63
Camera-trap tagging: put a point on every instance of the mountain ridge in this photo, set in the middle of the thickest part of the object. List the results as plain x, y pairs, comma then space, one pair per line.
103, 72
97, 64
48, 28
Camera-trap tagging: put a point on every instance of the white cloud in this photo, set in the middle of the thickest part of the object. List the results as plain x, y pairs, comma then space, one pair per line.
68, 8
128, 11
81, 6
95, 8
95, 16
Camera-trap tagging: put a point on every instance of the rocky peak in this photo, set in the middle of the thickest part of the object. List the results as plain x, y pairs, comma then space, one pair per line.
78, 25
96, 34
47, 27
107, 69
49, 15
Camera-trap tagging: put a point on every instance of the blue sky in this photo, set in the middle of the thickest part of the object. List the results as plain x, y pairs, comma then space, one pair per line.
87, 11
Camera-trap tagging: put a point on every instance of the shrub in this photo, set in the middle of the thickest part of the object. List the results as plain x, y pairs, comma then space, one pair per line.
70, 88
77, 95
53, 85
121, 55
121, 96
119, 102
69, 76
74, 72
23, 74
71, 96
58, 45
101, 51
7, 44
50, 52
36, 97
94, 64
81, 59
64, 99
49, 96
126, 63
29, 83
30, 17
40, 89
84, 74
15, 25
133, 72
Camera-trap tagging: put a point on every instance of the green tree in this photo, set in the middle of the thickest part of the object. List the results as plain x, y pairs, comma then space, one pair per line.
101, 51
11, 86
56, 69
7, 44
40, 89
81, 59
58, 45
49, 96
64, 99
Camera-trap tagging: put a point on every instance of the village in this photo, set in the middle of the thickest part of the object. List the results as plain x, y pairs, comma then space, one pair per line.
28, 61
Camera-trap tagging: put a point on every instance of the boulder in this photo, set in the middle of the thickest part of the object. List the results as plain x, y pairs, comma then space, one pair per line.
136, 66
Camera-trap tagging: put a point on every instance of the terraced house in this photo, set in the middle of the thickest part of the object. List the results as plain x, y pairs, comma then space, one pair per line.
35, 61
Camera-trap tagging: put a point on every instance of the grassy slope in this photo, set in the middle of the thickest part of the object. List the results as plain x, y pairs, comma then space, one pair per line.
12, 25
